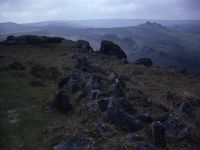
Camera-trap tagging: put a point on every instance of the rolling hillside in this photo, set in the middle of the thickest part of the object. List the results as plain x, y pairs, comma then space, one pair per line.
165, 45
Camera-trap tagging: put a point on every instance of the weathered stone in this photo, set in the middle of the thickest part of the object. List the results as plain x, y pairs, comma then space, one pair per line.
62, 102
187, 110
171, 95
158, 133
100, 105
145, 146
97, 94
63, 82
93, 83
76, 143
117, 115
175, 128
117, 90
111, 49
103, 129
134, 137
111, 74
145, 118
84, 46
72, 86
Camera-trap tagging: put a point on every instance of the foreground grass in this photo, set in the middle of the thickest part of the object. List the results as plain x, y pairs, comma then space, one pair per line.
25, 125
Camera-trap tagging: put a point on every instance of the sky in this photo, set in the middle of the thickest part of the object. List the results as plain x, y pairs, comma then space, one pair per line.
24, 11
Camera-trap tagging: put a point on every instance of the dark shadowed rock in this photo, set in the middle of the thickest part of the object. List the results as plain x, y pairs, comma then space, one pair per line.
117, 115
171, 95
158, 133
134, 137
103, 128
111, 74
100, 105
144, 61
72, 86
84, 46
83, 64
93, 83
61, 102
145, 118
17, 66
97, 94
175, 128
71, 82
76, 143
145, 146
117, 90
63, 82
86, 65
111, 49
187, 110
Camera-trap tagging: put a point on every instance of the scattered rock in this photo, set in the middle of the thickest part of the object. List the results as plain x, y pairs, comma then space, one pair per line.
117, 115
111, 49
83, 64
84, 46
158, 133
100, 105
171, 95
117, 90
72, 86
76, 143
63, 82
145, 146
187, 110
97, 94
175, 128
145, 118
48, 108
103, 129
13, 115
111, 74
93, 83
144, 61
134, 137
78, 96
62, 102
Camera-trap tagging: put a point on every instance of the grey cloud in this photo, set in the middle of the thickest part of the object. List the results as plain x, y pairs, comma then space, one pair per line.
39, 10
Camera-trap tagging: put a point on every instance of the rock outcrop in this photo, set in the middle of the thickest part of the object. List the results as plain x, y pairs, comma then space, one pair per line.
84, 46
111, 49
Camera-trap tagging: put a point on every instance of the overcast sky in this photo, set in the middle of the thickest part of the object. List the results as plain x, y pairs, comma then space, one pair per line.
42, 10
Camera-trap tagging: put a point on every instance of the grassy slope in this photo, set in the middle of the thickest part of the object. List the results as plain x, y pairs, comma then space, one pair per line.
39, 130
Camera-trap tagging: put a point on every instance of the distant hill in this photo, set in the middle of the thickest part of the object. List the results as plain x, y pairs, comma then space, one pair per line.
165, 42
